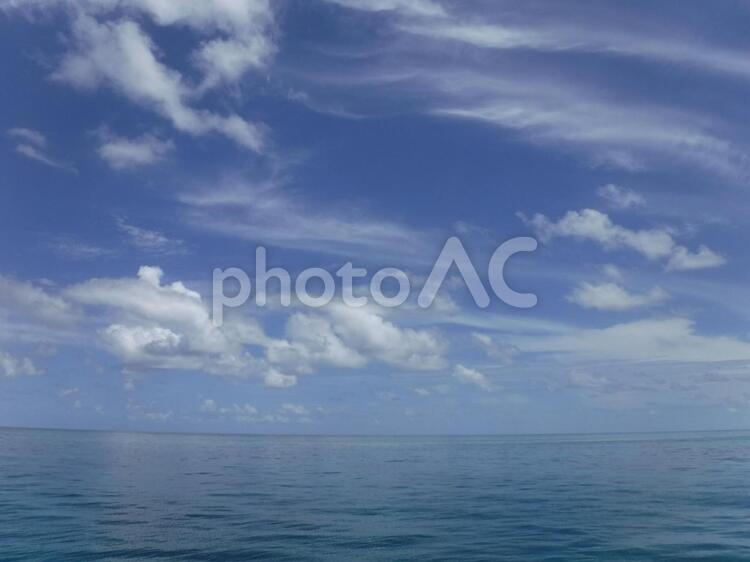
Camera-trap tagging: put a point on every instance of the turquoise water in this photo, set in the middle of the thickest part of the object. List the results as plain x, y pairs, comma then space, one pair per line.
68, 495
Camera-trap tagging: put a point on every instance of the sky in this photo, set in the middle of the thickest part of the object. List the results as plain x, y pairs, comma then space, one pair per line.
145, 143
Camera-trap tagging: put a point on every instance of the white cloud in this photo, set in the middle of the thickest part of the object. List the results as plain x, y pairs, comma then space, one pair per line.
654, 244
248, 413
151, 325
295, 409
312, 340
77, 250
368, 332
11, 366
122, 153
610, 296
620, 197
682, 259
589, 34
238, 412
408, 7
538, 97
496, 349
149, 240
612, 271
29, 136
148, 324
345, 337
654, 339
24, 300
32, 145
472, 376
122, 57
276, 216
274, 378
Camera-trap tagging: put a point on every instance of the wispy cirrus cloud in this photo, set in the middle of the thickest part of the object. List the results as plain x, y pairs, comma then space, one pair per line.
271, 214
33, 145
510, 66
149, 240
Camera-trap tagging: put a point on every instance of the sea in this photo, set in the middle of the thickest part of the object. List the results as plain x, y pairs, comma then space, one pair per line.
89, 495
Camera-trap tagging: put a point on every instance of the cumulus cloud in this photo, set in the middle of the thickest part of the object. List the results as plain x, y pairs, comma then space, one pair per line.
344, 337
120, 56
12, 366
162, 326
149, 324
123, 153
620, 197
610, 296
471, 376
654, 244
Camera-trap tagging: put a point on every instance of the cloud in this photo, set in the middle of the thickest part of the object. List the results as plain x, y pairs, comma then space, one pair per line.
295, 409
654, 244
272, 215
273, 378
77, 250
451, 63
122, 153
238, 412
346, 337
149, 240
610, 296
11, 366
140, 412
593, 32
151, 325
29, 136
23, 300
286, 413
620, 197
612, 271
119, 55
311, 340
36, 315
646, 340
495, 349
408, 7
682, 259
32, 145
155, 326
472, 376
605, 132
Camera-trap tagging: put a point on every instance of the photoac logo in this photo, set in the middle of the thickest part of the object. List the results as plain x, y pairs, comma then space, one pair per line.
452, 254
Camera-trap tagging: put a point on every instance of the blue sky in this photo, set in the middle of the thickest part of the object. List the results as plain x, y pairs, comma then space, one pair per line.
145, 143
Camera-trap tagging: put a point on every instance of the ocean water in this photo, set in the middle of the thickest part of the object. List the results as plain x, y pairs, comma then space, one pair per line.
67, 495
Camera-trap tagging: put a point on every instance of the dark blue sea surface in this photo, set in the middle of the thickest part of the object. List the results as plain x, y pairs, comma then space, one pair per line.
67, 495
